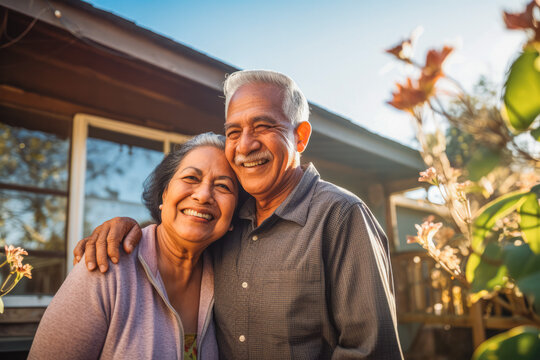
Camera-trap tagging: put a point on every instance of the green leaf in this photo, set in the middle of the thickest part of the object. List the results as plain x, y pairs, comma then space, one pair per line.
522, 92
491, 212
520, 343
524, 267
529, 223
536, 190
482, 162
536, 134
530, 286
521, 261
486, 272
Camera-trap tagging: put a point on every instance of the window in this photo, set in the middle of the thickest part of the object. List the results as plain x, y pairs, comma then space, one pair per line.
34, 153
116, 167
117, 158
62, 177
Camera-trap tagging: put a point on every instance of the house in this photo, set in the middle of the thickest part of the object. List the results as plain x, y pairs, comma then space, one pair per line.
90, 102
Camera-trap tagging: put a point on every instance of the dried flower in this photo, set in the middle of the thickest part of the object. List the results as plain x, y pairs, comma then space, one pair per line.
25, 270
14, 256
464, 186
462, 189
414, 93
448, 255
524, 20
408, 96
429, 176
402, 51
426, 232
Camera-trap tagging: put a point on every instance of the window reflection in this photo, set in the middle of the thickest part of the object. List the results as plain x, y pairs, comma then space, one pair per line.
117, 165
34, 153
33, 221
33, 158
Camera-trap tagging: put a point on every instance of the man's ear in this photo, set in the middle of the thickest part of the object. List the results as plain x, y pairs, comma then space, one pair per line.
302, 134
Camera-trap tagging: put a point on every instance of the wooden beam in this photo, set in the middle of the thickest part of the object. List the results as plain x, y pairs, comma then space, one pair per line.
420, 205
490, 322
119, 34
122, 86
401, 185
18, 98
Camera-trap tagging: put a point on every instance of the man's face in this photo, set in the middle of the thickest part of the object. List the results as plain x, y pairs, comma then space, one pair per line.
260, 143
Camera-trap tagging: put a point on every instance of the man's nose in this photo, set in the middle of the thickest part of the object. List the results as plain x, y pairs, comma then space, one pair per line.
248, 143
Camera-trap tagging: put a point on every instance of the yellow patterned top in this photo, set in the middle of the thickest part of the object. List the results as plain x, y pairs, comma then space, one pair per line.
190, 346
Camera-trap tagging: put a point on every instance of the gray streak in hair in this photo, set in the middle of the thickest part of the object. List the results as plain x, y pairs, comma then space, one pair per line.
295, 105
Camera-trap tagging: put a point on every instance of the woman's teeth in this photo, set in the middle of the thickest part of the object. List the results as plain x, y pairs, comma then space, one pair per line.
192, 212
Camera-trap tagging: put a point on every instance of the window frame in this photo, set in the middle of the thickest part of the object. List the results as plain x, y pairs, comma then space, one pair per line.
77, 175
76, 185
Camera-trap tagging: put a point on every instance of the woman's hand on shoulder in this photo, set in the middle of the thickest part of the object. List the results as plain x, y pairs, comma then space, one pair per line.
104, 243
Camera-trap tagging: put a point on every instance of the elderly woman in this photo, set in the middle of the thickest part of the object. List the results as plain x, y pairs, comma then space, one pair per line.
157, 304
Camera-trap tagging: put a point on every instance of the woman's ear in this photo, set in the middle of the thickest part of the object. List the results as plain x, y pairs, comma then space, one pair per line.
163, 196
302, 134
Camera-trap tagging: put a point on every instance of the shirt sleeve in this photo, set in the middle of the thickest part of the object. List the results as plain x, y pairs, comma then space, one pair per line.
359, 288
75, 324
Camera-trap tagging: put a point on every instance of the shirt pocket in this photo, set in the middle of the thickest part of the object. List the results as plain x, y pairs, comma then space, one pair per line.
293, 302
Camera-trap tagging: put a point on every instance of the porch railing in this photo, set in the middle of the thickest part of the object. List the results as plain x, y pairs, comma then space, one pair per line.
427, 294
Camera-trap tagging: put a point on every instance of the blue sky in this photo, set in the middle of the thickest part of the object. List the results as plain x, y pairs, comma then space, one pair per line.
334, 49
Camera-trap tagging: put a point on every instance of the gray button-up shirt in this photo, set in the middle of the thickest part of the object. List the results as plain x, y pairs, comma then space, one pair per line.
313, 281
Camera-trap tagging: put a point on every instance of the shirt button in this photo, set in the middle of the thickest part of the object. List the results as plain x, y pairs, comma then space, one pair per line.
245, 285
242, 338
255, 238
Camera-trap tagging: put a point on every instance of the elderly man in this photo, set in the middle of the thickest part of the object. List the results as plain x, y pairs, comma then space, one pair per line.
305, 272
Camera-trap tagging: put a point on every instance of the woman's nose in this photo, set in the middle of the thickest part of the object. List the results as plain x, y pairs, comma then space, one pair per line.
203, 193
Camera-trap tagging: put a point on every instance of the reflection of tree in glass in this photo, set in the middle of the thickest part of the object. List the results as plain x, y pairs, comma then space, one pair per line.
102, 160
33, 159
117, 171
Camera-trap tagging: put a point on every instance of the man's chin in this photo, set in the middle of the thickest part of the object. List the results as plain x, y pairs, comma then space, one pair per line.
256, 186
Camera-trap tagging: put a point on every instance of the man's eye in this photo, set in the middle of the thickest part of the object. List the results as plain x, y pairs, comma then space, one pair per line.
233, 134
262, 127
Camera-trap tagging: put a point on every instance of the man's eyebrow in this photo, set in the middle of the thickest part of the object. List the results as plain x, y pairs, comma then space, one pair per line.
265, 119
227, 126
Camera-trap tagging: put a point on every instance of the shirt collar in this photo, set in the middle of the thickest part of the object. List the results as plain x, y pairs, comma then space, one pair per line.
296, 205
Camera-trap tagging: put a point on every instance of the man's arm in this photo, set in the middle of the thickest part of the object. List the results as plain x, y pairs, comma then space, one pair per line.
104, 243
360, 289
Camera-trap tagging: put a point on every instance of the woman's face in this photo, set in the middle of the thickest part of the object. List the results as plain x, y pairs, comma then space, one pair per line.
199, 201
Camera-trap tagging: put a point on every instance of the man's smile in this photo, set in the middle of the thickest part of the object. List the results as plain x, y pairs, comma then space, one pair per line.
255, 163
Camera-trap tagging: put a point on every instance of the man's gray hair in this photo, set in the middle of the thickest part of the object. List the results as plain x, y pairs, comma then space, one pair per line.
295, 105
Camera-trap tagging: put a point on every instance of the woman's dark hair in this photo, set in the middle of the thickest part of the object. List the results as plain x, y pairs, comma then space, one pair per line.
156, 183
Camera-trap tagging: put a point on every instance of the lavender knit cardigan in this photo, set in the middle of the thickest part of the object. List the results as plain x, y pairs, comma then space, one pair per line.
123, 314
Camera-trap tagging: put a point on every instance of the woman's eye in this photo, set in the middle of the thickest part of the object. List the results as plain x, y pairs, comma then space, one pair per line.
190, 178
223, 186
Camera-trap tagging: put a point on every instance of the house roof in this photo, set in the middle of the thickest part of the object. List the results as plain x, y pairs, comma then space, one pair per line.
337, 142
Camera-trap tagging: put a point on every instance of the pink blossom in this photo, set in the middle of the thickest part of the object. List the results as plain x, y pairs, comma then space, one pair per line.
14, 255
25, 270
429, 176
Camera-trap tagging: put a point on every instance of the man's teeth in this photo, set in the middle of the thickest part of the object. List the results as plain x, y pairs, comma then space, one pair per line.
192, 212
255, 163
